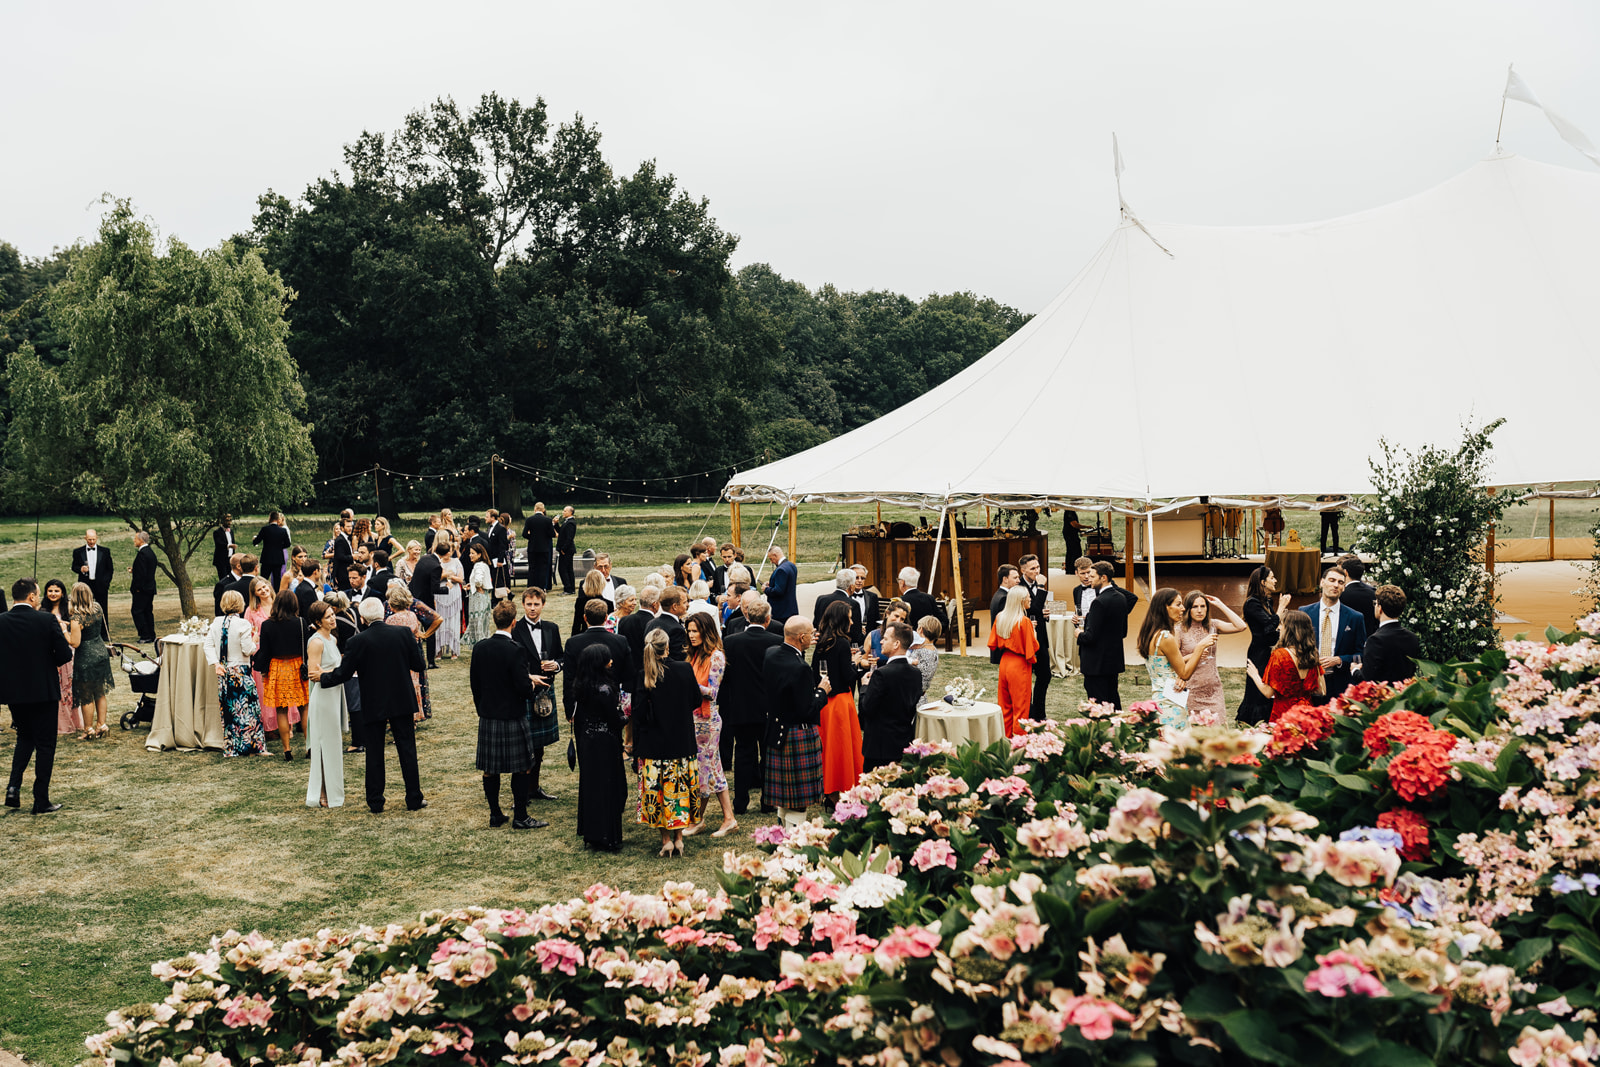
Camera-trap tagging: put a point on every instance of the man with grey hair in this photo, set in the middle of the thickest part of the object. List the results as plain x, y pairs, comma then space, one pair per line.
143, 588
742, 698
632, 627
91, 565
844, 583
919, 602
780, 590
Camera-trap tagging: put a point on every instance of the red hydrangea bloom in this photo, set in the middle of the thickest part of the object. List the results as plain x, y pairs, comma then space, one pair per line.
1298, 728
1424, 767
1413, 831
1399, 727
1360, 697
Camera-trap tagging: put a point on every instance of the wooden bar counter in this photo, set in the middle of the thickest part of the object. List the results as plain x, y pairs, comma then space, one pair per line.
981, 556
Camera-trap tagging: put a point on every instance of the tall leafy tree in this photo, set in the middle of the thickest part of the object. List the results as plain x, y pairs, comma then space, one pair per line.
177, 400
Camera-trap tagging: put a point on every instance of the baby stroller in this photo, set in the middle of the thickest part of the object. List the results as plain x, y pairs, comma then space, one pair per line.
144, 675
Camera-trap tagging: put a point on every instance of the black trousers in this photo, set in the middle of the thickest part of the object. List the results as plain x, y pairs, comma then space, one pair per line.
405, 750
1102, 687
539, 572
1330, 524
1041, 684
36, 740
567, 583
224, 570
742, 753
101, 593
144, 615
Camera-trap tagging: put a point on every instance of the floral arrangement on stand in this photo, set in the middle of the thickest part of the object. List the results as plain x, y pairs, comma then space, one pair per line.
962, 690
193, 627
1404, 877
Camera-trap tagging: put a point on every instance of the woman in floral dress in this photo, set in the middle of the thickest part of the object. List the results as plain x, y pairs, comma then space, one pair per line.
1169, 668
708, 661
230, 642
480, 598
666, 698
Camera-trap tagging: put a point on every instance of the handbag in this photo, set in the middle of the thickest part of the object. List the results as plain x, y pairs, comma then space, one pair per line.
544, 705
305, 670
572, 754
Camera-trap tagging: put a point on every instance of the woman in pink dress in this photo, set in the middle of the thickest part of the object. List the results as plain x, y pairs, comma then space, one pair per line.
260, 609
69, 720
1204, 615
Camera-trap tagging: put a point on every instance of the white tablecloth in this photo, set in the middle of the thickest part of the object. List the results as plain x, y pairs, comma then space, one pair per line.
980, 722
187, 715
1063, 645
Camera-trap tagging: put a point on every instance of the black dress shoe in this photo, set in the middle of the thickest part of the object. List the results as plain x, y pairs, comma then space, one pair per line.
528, 824
540, 794
47, 809
13, 796
498, 820
769, 809
376, 809
418, 806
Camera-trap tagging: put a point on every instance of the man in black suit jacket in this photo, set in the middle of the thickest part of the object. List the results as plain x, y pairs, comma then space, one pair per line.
866, 598
1100, 638
427, 582
844, 581
919, 602
382, 575
1358, 594
222, 547
538, 532
274, 542
307, 592
742, 700
674, 605
502, 685
1391, 653
632, 627
594, 612
343, 553
795, 698
889, 702
1007, 576
143, 588
499, 540
32, 649
540, 639
1038, 586
566, 547
91, 564
382, 659
227, 584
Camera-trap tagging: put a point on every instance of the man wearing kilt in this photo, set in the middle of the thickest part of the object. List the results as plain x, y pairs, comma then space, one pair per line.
502, 686
792, 779
541, 641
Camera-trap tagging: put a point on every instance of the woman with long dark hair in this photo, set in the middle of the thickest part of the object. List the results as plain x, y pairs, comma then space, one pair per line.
597, 726
708, 661
683, 571
1263, 612
1205, 684
1294, 670
840, 727
68, 719
665, 699
1169, 668
283, 642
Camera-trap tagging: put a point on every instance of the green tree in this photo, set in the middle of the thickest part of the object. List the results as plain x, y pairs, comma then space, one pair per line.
1427, 527
177, 400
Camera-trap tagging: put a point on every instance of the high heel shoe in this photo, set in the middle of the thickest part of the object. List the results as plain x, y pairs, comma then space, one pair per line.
288, 755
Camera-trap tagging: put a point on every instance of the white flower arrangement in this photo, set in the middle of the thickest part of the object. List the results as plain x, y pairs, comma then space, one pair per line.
192, 627
963, 690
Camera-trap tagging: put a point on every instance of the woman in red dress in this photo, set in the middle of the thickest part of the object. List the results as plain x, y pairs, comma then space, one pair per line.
1294, 670
840, 728
1013, 634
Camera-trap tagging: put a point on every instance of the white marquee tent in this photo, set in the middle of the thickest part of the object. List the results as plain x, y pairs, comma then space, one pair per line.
1298, 346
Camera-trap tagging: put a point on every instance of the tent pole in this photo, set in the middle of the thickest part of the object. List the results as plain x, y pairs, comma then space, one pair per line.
1488, 554
735, 534
794, 514
938, 540
1127, 550
1150, 547
1552, 528
961, 597
880, 513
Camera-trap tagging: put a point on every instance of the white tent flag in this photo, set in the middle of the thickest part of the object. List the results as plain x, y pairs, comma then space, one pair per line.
1517, 89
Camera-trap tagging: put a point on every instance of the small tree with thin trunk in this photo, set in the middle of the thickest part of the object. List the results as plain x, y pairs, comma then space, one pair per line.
178, 400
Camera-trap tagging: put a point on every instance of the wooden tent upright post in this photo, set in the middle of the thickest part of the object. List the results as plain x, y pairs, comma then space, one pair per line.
1127, 549
1488, 554
961, 599
794, 514
1552, 528
735, 533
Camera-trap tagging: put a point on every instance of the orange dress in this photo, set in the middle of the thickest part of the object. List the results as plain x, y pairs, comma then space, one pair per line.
1016, 671
840, 726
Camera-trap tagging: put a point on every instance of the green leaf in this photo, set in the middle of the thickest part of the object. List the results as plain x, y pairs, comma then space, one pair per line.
1502, 765
1209, 1002
1390, 1054
1184, 819
1254, 813
1463, 812
1350, 781
1583, 951
1258, 1036
1529, 950
1099, 916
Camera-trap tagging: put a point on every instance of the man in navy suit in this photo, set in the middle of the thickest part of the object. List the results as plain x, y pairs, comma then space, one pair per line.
780, 589
1341, 634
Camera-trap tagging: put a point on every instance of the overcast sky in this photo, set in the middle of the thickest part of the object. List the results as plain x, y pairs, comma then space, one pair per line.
920, 148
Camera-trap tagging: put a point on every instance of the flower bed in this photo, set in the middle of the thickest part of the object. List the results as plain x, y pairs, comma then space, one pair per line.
1401, 878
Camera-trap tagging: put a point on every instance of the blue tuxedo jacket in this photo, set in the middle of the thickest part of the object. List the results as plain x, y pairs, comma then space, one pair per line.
1350, 634
781, 592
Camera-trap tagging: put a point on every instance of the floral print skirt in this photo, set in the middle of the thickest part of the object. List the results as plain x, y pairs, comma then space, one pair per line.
241, 713
669, 794
708, 753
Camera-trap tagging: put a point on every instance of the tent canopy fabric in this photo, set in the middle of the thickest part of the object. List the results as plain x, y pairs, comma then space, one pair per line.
1264, 361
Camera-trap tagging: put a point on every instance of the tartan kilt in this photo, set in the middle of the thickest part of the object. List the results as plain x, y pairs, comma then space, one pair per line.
793, 774
544, 730
505, 746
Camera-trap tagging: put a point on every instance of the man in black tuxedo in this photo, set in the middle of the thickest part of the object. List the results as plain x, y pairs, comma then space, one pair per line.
538, 532
795, 699
566, 547
866, 598
1359, 594
742, 700
674, 605
382, 659
229, 583
844, 581
32, 649
1038, 589
1100, 637
222, 547
382, 575
1007, 576
889, 702
1391, 653
602, 563
502, 685
309, 589
475, 537
274, 541
91, 564
594, 612
143, 588
427, 582
919, 602
632, 627
343, 553
500, 549
540, 639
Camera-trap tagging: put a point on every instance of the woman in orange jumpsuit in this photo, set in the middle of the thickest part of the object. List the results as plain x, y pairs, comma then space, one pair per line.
1013, 634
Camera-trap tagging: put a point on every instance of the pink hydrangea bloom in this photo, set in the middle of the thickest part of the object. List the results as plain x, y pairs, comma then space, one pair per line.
931, 854
1339, 973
